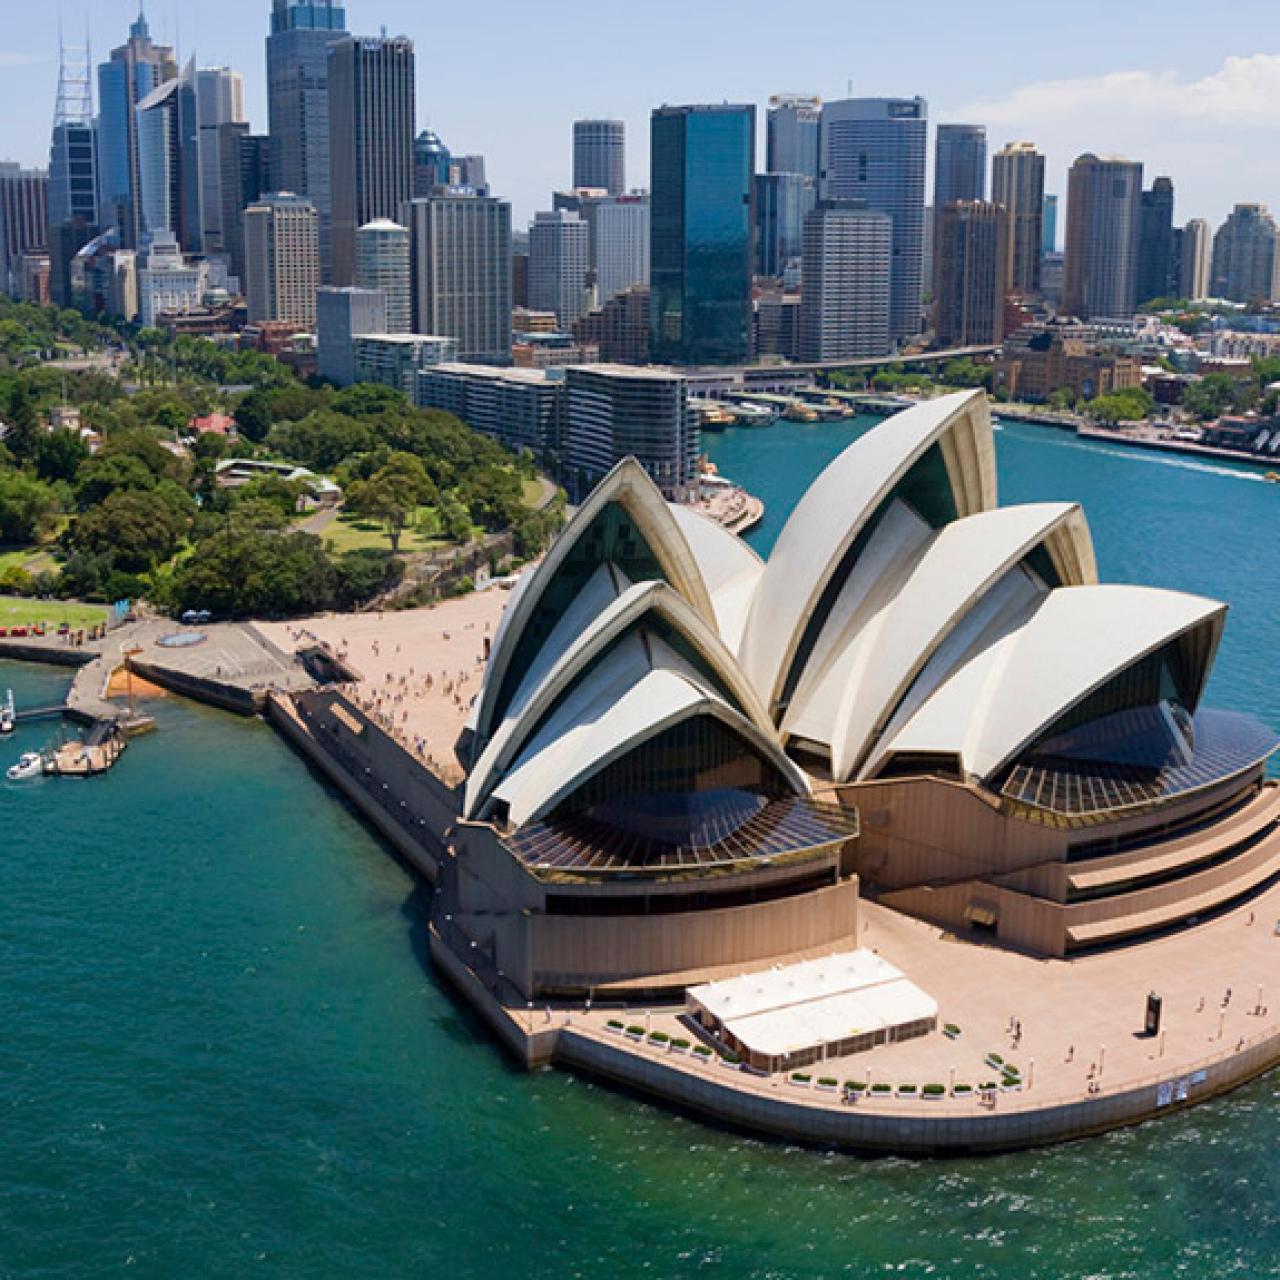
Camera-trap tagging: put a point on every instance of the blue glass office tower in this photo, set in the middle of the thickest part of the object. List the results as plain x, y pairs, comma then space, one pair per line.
783, 201
873, 149
133, 72
702, 246
298, 103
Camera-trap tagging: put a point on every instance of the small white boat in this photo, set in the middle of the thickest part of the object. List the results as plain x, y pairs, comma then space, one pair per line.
30, 765
8, 715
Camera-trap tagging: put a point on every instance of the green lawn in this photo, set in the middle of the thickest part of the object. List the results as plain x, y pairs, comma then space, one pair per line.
32, 559
356, 533
16, 612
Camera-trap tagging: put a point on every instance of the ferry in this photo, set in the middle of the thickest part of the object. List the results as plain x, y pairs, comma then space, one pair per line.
1272, 477
30, 765
754, 415
8, 716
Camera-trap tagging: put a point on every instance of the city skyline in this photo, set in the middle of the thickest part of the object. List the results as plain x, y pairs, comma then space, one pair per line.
1195, 105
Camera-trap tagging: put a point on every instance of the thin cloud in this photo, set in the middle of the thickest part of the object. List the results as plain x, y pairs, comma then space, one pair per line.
10, 60
1211, 135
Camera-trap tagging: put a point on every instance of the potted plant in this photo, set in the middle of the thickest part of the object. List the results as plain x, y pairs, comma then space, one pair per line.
800, 1079
659, 1038
635, 1033
828, 1084
908, 1090
855, 1087
951, 1031
962, 1091
881, 1090
615, 1026
701, 1052
679, 1045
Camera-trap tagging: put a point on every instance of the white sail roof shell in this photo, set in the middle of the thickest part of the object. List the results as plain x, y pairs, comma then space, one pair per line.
838, 504
1077, 640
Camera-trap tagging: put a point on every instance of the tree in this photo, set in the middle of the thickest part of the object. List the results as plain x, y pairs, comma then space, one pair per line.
60, 454
137, 529
1216, 394
393, 494
29, 508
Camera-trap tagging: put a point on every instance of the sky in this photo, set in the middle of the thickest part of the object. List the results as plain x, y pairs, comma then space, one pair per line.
1174, 83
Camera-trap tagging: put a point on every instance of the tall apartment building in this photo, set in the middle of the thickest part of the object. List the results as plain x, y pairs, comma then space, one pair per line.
792, 129
1017, 183
371, 126
461, 260
132, 72
1196, 265
1157, 244
600, 155
383, 262
1246, 264
873, 149
1104, 216
219, 101
971, 261
282, 260
702, 252
245, 161
783, 202
616, 411
298, 102
24, 219
559, 259
960, 164
342, 315
396, 359
520, 408
846, 295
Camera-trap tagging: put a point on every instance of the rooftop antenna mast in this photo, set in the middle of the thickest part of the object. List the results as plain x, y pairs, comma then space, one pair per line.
75, 83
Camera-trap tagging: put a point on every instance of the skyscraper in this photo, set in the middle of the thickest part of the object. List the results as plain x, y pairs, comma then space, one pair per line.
1196, 265
1246, 261
1017, 183
1104, 211
24, 219
873, 149
431, 163
845, 296
219, 101
1050, 240
618, 248
559, 255
382, 262
169, 161
245, 162
133, 71
702, 253
298, 101
282, 260
73, 172
461, 246
1157, 277
792, 129
971, 260
783, 201
371, 131
600, 155
960, 164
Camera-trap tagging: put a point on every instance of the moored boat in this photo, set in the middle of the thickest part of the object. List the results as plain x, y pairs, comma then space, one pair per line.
30, 765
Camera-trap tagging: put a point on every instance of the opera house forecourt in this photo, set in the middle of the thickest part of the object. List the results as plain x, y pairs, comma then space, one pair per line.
916, 837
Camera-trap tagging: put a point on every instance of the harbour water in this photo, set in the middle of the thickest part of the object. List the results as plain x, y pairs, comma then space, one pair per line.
224, 1051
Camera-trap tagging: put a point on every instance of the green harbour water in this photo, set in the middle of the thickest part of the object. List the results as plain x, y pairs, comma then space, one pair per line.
224, 1053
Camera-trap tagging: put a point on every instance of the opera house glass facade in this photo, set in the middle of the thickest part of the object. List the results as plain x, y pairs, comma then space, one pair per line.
702, 223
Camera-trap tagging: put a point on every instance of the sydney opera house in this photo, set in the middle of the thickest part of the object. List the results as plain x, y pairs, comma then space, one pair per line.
686, 761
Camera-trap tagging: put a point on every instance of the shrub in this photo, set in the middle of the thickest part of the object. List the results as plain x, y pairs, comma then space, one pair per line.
679, 1043
729, 1057
635, 1031
828, 1082
962, 1090
995, 1059
856, 1086
882, 1088
702, 1051
990, 1084
615, 1024
934, 1090
660, 1037
951, 1030
801, 1077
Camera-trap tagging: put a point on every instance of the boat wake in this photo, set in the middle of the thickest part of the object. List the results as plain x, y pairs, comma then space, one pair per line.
1136, 454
